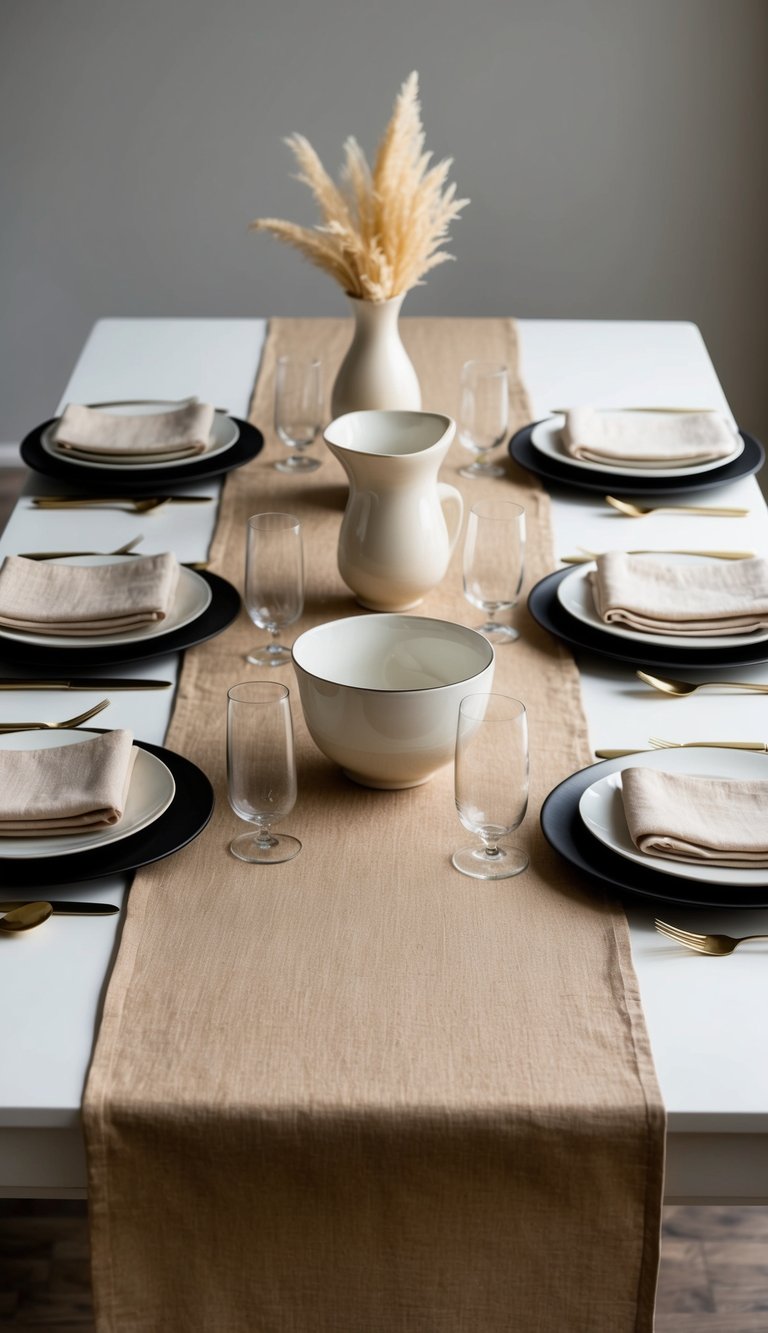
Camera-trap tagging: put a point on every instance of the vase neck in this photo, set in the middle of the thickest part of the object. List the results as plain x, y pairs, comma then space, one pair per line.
370, 315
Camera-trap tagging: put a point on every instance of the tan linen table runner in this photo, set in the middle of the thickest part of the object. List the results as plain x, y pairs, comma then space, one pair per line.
360, 1092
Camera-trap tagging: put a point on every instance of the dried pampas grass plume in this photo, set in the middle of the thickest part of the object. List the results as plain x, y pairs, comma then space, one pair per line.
381, 229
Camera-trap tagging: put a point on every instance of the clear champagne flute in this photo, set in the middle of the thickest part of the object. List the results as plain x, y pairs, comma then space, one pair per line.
483, 415
261, 769
494, 562
491, 783
298, 410
274, 581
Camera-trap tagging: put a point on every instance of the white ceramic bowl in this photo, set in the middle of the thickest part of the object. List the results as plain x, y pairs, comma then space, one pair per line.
381, 693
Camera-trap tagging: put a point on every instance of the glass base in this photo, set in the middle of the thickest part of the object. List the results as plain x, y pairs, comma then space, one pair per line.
261, 850
297, 463
271, 654
497, 633
481, 863
476, 470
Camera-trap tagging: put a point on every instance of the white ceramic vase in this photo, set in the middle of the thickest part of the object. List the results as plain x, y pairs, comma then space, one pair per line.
376, 371
401, 524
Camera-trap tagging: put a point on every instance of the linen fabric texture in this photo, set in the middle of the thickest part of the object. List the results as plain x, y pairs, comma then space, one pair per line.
359, 1091
183, 432
647, 439
67, 788
42, 597
703, 597
687, 817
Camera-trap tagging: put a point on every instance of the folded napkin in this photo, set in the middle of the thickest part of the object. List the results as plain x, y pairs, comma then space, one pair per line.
41, 597
67, 789
717, 821
180, 433
708, 597
647, 439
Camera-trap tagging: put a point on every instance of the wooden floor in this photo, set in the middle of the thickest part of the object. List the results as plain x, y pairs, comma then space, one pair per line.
714, 1269
714, 1261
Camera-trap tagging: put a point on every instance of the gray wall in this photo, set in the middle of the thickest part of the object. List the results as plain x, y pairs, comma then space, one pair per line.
613, 150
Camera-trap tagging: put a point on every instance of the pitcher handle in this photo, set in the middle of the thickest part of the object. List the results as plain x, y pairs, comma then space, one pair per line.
450, 498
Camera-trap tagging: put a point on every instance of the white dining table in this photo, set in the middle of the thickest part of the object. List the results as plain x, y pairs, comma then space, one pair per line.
705, 1016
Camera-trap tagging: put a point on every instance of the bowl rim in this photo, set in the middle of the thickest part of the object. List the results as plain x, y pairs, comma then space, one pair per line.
447, 424
396, 615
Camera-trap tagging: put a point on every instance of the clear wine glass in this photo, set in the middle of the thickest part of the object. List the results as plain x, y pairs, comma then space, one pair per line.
298, 410
483, 415
274, 581
491, 783
261, 769
494, 562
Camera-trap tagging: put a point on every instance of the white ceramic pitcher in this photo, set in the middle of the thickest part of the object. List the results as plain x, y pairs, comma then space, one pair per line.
395, 543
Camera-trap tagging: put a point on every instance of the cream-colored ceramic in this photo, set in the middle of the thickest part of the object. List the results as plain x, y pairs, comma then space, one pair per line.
381, 693
376, 371
395, 543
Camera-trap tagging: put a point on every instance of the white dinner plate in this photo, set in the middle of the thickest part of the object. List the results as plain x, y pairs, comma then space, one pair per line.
192, 598
151, 791
224, 433
574, 594
546, 438
602, 810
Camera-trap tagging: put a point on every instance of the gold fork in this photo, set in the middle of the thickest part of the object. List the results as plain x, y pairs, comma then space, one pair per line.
659, 744
126, 549
586, 556
56, 726
680, 689
716, 945
640, 511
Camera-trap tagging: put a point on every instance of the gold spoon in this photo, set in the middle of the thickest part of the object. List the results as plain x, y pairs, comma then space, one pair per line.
638, 511
679, 689
26, 917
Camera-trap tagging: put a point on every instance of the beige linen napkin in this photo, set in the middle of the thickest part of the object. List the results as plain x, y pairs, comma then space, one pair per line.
646, 439
717, 821
180, 433
66, 789
708, 597
40, 597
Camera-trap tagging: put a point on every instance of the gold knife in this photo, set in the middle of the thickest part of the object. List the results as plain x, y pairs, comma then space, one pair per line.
75, 501
83, 683
67, 908
561, 411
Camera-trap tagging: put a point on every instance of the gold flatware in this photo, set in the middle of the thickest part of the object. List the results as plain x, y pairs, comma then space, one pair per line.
126, 549
56, 726
562, 410
639, 511
26, 917
718, 946
149, 402
84, 683
65, 907
137, 505
658, 744
616, 754
587, 556
680, 689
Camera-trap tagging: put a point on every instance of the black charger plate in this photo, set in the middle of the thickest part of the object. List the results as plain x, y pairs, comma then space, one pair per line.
133, 480
185, 818
524, 452
224, 606
547, 611
565, 830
